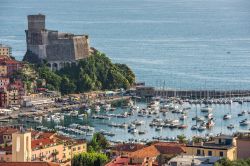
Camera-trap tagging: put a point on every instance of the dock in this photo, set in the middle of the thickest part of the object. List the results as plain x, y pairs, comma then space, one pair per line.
191, 94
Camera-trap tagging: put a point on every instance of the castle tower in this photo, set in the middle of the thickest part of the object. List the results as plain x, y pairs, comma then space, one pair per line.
21, 147
36, 22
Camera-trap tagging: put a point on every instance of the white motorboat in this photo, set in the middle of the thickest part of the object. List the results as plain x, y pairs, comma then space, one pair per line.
227, 116
206, 109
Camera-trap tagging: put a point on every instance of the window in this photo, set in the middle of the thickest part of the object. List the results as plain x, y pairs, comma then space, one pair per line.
79, 147
210, 153
198, 152
221, 154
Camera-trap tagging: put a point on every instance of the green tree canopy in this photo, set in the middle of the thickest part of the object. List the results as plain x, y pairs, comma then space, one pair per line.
89, 159
98, 143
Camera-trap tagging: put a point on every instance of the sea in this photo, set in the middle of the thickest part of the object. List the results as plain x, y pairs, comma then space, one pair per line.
178, 44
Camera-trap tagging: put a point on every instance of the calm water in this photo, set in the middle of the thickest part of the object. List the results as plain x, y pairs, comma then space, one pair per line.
219, 110
188, 43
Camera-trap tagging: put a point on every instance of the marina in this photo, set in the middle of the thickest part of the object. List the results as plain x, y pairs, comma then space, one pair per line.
158, 119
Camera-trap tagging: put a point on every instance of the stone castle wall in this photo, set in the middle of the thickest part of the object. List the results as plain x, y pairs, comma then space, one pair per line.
52, 46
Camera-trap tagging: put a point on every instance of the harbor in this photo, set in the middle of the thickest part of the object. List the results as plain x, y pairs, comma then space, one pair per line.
157, 118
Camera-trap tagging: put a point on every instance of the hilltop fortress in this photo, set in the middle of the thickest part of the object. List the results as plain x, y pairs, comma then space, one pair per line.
56, 48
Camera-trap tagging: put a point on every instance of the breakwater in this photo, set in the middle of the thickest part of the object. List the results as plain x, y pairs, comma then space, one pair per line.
191, 94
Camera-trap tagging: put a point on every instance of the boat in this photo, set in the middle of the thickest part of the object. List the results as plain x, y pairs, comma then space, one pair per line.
141, 132
201, 128
206, 109
133, 131
209, 115
227, 116
182, 126
97, 108
244, 122
107, 107
183, 117
194, 127
231, 126
158, 128
210, 124
38, 119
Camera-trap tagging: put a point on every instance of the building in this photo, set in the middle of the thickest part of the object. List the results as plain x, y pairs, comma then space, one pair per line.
5, 50
4, 99
58, 49
145, 91
4, 82
6, 134
38, 146
28, 164
3, 70
243, 144
219, 146
186, 160
137, 154
125, 149
21, 147
11, 65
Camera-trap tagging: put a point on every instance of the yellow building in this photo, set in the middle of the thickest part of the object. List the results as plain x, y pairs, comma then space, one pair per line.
21, 147
5, 50
219, 146
3, 70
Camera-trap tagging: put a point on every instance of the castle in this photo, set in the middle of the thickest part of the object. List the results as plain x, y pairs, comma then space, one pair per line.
56, 48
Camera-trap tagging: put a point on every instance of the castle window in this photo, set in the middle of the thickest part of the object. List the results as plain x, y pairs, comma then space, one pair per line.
221, 154
210, 153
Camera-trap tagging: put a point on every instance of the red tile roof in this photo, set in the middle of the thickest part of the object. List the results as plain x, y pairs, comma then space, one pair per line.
28, 164
170, 148
149, 151
121, 161
41, 142
158, 148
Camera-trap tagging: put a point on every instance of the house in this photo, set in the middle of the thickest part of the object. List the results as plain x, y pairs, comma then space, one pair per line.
219, 146
125, 149
28, 164
26, 146
243, 144
138, 154
187, 160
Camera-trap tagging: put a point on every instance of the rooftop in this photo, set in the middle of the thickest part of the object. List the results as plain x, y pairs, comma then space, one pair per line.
39, 143
28, 164
120, 161
129, 147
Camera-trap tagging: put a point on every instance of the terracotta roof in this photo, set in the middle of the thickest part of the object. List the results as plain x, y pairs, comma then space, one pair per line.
41, 142
47, 134
28, 164
170, 148
129, 147
120, 161
149, 151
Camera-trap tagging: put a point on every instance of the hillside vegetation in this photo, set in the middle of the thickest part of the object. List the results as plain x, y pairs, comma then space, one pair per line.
96, 72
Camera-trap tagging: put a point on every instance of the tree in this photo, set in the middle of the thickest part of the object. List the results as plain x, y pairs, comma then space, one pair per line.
182, 138
53, 80
227, 162
89, 159
98, 143
67, 86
